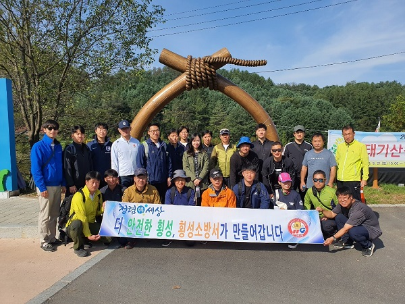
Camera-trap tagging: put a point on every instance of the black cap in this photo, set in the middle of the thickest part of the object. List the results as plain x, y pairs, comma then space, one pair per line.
216, 173
123, 124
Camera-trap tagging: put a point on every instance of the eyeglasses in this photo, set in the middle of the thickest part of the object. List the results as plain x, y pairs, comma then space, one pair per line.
275, 150
52, 128
320, 180
154, 131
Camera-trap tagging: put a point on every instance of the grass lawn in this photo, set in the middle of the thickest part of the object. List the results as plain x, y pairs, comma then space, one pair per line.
385, 194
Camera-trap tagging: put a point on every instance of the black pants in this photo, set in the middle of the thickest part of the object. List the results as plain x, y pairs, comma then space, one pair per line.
127, 181
328, 227
161, 188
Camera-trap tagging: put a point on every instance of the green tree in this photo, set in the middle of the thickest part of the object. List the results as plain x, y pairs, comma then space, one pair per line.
51, 48
394, 121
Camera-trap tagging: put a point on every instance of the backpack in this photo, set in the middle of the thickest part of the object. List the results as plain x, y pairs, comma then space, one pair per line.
64, 212
173, 193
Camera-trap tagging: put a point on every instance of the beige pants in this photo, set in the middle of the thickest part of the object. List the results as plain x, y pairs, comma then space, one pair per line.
48, 214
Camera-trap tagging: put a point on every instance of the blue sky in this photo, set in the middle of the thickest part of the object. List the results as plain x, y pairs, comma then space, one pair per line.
329, 31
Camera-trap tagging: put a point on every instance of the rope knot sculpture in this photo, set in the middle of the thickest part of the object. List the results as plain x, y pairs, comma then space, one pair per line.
201, 73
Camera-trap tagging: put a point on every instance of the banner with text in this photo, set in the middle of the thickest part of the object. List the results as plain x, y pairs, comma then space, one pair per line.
384, 149
136, 220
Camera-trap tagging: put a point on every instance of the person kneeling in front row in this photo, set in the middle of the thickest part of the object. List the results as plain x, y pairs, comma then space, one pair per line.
86, 205
356, 222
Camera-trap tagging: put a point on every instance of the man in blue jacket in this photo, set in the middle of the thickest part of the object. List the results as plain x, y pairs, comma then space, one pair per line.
47, 171
153, 156
251, 193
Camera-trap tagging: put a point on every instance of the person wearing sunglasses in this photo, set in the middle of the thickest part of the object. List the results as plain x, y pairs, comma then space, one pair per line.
321, 196
47, 172
274, 165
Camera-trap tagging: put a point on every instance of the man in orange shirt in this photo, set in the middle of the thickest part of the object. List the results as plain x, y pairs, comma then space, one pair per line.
218, 194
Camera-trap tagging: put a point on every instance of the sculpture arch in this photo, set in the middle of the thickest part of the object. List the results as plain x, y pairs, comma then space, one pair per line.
178, 86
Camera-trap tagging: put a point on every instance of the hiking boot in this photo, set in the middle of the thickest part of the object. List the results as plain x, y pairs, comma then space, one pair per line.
88, 245
81, 253
368, 252
166, 243
130, 245
342, 245
292, 246
47, 247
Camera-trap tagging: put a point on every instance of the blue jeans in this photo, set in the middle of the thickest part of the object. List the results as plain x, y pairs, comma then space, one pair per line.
127, 181
358, 234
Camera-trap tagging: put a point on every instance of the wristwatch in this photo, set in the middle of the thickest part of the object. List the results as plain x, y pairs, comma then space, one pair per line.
334, 239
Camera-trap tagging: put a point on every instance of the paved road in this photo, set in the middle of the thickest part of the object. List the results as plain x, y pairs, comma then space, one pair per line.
248, 273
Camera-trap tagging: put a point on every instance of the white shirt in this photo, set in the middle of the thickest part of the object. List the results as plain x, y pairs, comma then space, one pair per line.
123, 155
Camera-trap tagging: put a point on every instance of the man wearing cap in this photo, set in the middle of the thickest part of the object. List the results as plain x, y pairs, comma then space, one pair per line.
154, 157
295, 151
262, 146
352, 163
218, 194
123, 154
221, 154
245, 157
249, 192
140, 192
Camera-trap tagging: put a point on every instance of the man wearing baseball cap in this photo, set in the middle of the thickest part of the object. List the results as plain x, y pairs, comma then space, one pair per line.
140, 192
218, 194
295, 151
243, 158
123, 154
221, 154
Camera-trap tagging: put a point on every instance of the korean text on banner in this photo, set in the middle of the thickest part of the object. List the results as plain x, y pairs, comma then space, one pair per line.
211, 224
385, 150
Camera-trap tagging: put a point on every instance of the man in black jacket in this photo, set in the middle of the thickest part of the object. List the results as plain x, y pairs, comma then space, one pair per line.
244, 157
262, 146
274, 165
295, 151
77, 161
